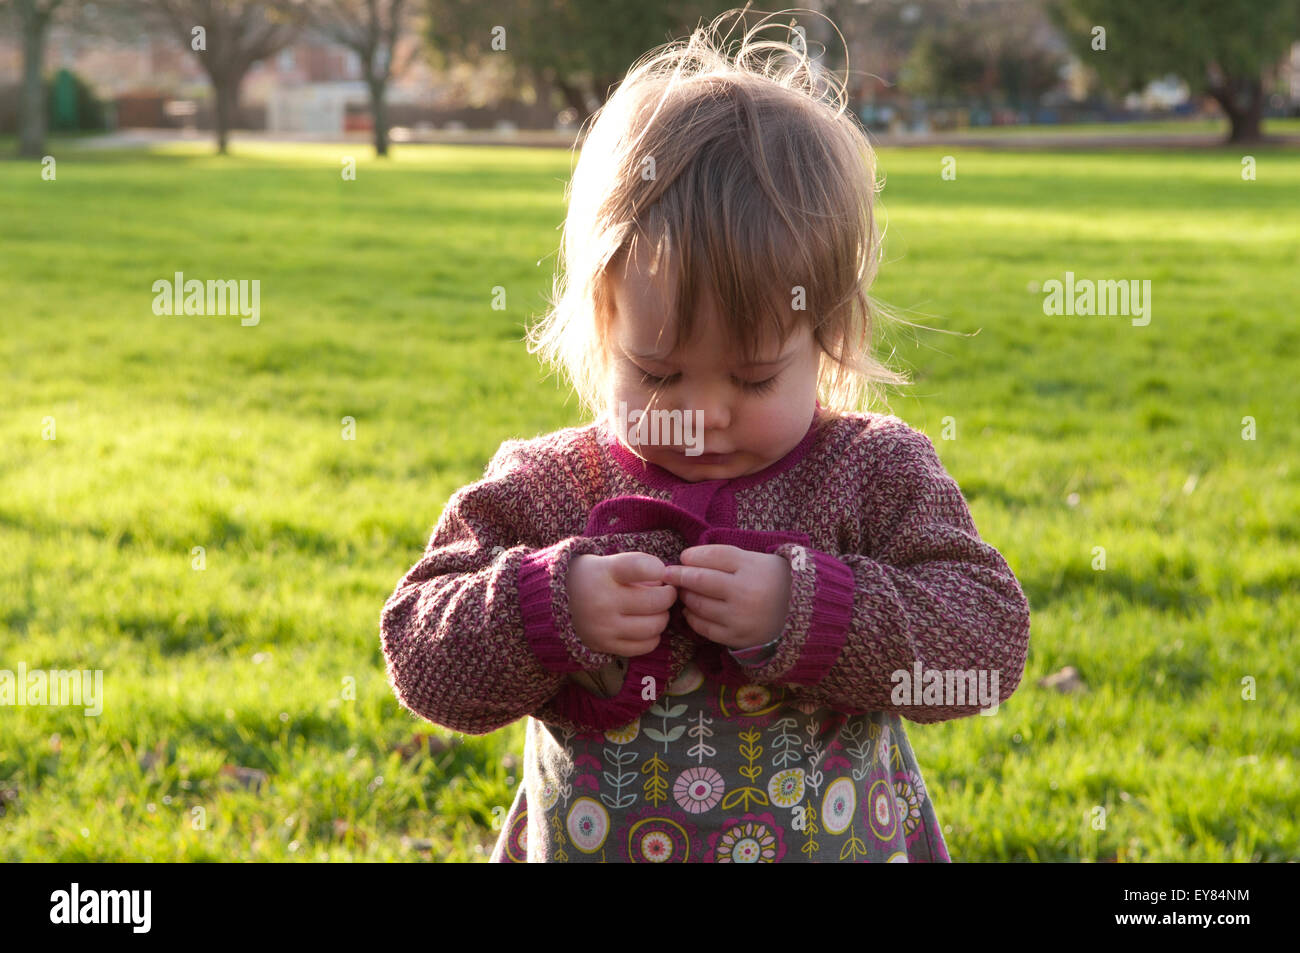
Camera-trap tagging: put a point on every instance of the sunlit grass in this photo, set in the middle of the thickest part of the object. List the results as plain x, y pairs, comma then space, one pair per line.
175, 432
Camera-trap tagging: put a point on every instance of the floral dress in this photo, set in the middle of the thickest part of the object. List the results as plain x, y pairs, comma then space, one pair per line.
720, 774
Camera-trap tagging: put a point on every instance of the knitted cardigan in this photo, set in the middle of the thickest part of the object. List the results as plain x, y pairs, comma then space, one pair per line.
887, 573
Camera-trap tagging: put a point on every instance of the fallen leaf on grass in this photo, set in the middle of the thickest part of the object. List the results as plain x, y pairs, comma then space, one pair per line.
1066, 681
342, 829
419, 744
249, 778
153, 757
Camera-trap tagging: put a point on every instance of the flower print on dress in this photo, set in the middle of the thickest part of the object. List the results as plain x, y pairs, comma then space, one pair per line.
838, 804
592, 737
751, 751
752, 698
880, 810
517, 839
814, 752
621, 771
588, 825
918, 784
550, 793
565, 786
786, 787
750, 705
889, 753
785, 744
908, 804
858, 744
656, 836
882, 747
700, 731
753, 839
586, 779
698, 789
625, 735
666, 713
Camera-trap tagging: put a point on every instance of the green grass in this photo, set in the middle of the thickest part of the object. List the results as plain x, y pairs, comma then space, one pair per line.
174, 432
1145, 127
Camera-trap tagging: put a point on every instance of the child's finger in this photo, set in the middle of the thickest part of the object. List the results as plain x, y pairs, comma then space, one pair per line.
643, 647
709, 629
648, 600
713, 556
635, 631
714, 610
629, 568
707, 582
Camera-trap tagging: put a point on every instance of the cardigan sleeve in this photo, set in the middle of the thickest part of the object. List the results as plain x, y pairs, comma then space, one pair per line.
478, 633
927, 592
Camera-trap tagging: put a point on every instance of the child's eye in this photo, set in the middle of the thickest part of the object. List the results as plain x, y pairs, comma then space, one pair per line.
647, 379
757, 387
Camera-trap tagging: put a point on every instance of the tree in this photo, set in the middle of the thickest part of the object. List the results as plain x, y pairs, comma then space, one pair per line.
1226, 48
370, 29
34, 18
576, 46
981, 50
228, 37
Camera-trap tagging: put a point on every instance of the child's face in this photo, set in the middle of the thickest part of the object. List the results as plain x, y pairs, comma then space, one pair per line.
754, 427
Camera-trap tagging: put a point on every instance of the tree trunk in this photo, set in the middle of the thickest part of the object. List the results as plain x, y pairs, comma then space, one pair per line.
379, 114
227, 92
1243, 101
541, 88
574, 97
31, 140
1248, 127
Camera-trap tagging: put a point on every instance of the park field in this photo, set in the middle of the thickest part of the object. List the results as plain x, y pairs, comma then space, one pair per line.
181, 507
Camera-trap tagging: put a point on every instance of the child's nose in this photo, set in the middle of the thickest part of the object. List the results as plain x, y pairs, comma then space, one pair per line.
709, 407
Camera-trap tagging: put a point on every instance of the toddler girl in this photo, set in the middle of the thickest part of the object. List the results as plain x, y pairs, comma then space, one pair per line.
715, 608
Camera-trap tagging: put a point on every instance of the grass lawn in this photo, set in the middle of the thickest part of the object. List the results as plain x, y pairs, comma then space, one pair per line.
246, 713
1146, 127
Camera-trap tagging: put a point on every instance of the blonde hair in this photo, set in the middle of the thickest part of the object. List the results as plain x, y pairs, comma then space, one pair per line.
752, 180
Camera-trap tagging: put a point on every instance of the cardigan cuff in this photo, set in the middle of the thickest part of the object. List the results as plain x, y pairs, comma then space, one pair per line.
824, 598
544, 608
828, 625
588, 711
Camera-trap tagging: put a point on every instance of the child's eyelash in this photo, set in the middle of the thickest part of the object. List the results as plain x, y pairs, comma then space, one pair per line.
757, 387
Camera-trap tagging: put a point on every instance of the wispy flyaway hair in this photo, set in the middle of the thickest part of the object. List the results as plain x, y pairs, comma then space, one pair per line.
752, 183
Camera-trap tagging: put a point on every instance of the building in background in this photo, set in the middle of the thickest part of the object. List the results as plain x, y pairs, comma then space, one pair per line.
313, 88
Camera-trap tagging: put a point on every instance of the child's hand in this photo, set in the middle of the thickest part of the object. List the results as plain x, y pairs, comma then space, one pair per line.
618, 603
732, 596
